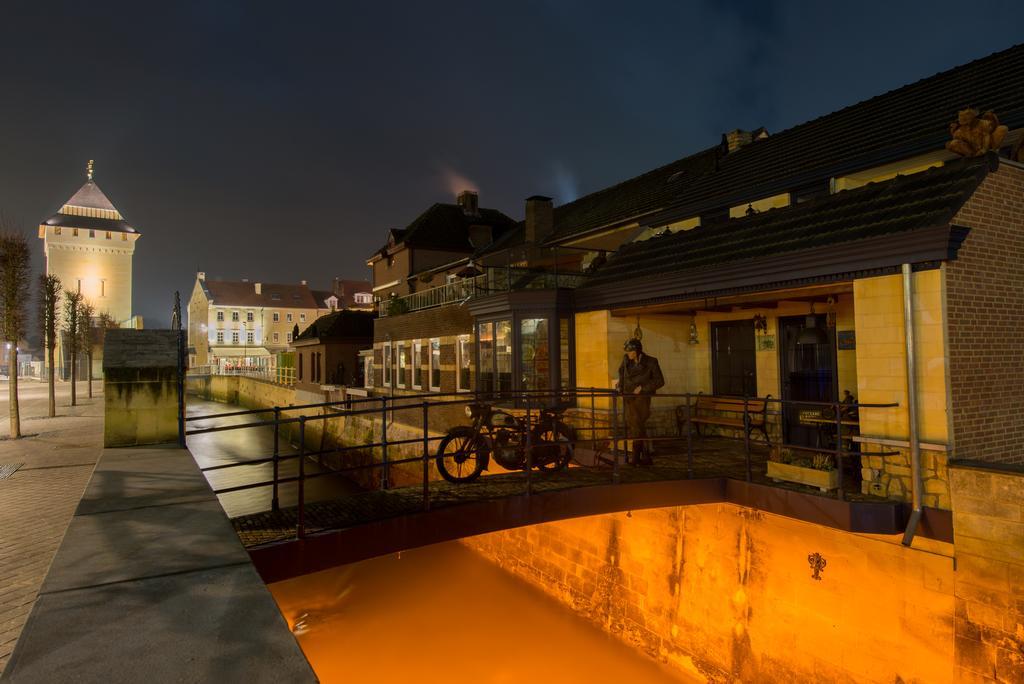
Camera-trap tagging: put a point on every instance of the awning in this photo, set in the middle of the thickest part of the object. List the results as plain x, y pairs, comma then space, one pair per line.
238, 352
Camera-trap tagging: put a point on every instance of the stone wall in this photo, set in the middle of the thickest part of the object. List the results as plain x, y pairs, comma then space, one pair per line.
727, 593
140, 387
988, 522
890, 475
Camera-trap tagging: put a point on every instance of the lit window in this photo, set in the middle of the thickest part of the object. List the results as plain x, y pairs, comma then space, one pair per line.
234, 316
368, 370
387, 364
277, 317
277, 337
289, 337
234, 338
401, 366
417, 365
464, 361
249, 338
288, 317
103, 288
435, 365
302, 318
220, 337
220, 315
249, 316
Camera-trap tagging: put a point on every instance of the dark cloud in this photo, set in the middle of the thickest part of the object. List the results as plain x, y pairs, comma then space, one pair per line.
279, 141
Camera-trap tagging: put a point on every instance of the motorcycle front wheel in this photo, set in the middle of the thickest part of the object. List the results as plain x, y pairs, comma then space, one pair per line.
462, 455
552, 446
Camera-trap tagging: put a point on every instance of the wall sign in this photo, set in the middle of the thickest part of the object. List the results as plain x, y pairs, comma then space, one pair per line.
766, 343
846, 339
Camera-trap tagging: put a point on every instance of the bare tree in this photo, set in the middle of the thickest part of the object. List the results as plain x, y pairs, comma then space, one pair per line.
15, 273
72, 304
49, 310
85, 331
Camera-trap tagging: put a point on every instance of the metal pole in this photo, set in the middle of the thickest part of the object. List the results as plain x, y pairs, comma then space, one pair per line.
384, 442
529, 451
915, 448
426, 459
275, 504
615, 438
689, 440
746, 437
301, 531
181, 383
839, 449
593, 423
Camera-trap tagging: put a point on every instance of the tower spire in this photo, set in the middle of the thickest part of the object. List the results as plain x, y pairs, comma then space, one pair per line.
88, 170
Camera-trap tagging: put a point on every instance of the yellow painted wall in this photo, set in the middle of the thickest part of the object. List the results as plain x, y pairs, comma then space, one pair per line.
881, 355
763, 204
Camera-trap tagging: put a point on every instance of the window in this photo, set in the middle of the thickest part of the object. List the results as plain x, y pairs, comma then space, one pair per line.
288, 317
494, 363
302, 318
92, 233
417, 365
435, 365
79, 290
220, 337
464, 362
249, 337
277, 337
368, 371
108, 235
534, 354
56, 231
363, 298
275, 296
387, 364
319, 367
288, 337
234, 316
277, 316
74, 232
249, 316
103, 287
400, 353
234, 338
124, 237
220, 315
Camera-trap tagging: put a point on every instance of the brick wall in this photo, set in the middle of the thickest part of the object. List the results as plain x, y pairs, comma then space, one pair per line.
985, 302
437, 322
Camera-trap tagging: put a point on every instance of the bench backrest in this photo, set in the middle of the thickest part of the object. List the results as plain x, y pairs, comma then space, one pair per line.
754, 404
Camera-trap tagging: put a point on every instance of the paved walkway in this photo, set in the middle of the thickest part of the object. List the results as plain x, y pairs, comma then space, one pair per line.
38, 501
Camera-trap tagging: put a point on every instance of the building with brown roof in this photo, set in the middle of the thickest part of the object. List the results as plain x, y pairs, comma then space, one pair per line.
240, 325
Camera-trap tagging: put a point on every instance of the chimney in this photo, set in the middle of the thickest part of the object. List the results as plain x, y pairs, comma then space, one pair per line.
734, 140
259, 288
540, 219
470, 202
302, 282
201, 275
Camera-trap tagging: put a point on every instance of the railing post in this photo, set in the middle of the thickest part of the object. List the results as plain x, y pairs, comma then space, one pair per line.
529, 451
301, 531
839, 450
426, 458
384, 442
746, 437
275, 504
689, 438
593, 423
615, 438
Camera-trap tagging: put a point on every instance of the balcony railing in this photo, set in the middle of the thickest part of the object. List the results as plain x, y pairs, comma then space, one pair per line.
491, 281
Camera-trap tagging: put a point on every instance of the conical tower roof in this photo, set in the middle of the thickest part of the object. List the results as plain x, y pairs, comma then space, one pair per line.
90, 208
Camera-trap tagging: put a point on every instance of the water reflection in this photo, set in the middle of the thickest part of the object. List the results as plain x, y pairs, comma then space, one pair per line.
443, 614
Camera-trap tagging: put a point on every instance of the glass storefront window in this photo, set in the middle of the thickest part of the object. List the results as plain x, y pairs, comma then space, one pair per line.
503, 354
534, 353
465, 361
435, 364
417, 365
485, 364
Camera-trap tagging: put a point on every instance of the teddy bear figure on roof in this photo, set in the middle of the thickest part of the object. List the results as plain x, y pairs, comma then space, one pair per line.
974, 135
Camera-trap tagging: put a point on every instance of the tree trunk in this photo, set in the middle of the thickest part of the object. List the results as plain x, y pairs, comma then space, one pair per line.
89, 361
12, 372
74, 376
51, 373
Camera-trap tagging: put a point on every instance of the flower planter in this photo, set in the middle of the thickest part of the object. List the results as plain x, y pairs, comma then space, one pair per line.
825, 480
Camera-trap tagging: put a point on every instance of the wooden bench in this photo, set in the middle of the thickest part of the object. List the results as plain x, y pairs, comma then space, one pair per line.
707, 410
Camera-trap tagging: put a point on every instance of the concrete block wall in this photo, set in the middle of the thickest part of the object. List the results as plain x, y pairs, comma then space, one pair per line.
725, 593
140, 387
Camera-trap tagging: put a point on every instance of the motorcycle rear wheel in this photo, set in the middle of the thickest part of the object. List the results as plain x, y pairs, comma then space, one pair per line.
461, 456
556, 437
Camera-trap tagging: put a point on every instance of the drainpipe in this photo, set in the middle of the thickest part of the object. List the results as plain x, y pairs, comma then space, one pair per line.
915, 448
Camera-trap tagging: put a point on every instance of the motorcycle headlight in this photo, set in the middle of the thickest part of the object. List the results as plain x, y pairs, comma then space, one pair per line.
469, 411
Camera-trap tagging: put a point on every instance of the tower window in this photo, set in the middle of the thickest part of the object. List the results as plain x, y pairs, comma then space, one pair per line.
108, 234
79, 286
124, 237
56, 231
74, 232
103, 288
92, 233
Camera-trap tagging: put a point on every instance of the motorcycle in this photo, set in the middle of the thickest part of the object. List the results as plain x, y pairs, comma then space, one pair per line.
466, 450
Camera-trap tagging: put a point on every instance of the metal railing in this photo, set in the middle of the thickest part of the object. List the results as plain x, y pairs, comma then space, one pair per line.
281, 375
608, 438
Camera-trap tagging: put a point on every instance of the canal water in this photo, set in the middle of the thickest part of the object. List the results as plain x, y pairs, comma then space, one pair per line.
443, 614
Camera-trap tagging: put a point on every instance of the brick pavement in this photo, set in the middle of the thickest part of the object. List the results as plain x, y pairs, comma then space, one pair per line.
39, 500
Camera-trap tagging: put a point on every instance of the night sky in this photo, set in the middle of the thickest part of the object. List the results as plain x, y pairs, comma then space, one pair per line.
279, 141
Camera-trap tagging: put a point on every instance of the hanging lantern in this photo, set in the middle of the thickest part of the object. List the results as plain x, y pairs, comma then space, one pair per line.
811, 333
693, 331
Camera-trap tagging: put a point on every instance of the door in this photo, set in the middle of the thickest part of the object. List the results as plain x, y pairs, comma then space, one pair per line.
733, 360
808, 374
